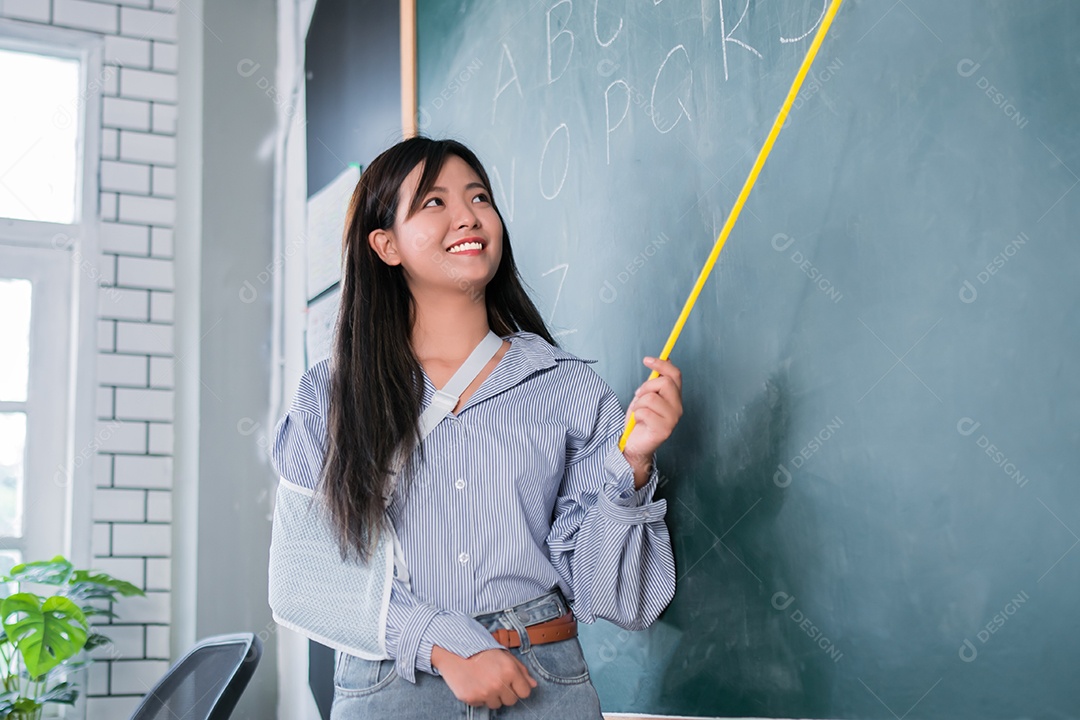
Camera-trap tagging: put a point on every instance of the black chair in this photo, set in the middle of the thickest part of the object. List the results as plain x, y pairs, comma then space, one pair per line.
206, 683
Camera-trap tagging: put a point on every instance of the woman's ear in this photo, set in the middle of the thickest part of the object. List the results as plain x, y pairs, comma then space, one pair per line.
382, 242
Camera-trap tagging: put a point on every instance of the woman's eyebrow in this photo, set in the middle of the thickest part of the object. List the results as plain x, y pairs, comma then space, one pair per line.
470, 186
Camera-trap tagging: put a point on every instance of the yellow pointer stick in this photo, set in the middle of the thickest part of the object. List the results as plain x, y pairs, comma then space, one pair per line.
737, 208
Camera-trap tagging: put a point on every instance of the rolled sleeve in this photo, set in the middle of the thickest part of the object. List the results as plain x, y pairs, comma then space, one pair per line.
413, 628
621, 502
609, 542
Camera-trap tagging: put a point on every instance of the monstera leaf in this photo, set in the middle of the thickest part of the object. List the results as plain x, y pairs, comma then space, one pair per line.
46, 633
86, 585
45, 572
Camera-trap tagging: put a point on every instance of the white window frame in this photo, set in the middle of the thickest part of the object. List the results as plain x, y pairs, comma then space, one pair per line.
45, 467
64, 257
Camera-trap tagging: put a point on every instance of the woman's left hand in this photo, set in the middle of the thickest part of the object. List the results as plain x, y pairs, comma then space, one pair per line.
657, 407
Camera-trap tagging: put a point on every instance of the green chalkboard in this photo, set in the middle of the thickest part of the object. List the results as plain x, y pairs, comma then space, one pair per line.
873, 493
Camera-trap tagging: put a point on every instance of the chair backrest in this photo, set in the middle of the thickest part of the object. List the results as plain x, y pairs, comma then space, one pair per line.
206, 683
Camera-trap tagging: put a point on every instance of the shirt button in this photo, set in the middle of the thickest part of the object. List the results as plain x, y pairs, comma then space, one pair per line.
463, 558
459, 483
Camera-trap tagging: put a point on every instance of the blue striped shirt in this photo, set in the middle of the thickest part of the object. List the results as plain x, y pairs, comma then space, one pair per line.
523, 489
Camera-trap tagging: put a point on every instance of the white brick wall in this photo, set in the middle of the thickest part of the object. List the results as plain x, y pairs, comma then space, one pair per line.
132, 503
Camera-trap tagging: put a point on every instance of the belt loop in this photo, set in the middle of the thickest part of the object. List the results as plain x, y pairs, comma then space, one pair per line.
523, 634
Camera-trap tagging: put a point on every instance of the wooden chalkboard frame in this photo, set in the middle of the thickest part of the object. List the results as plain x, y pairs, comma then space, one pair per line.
409, 102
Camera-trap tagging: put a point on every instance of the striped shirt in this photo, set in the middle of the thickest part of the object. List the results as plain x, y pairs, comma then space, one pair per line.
522, 490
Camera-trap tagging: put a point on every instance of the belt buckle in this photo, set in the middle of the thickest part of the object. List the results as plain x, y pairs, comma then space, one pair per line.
547, 607
530, 612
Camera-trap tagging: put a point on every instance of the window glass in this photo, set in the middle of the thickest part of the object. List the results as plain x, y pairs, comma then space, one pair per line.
12, 452
39, 154
14, 339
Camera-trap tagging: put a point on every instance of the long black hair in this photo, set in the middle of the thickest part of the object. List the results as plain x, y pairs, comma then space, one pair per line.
376, 382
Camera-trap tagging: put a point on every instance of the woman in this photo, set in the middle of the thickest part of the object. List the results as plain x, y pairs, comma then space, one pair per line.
516, 507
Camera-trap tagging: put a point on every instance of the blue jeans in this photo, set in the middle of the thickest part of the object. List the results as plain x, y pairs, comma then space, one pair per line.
366, 689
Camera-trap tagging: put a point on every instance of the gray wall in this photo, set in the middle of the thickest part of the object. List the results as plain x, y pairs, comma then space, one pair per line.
223, 513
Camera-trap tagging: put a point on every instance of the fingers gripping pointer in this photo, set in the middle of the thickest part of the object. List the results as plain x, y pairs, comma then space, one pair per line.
656, 407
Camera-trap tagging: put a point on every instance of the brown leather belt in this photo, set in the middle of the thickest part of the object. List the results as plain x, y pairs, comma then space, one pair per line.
561, 628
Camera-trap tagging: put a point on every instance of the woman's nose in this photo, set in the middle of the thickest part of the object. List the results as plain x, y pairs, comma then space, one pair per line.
467, 217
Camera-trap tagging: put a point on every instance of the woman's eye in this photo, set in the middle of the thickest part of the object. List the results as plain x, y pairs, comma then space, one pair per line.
433, 202
482, 197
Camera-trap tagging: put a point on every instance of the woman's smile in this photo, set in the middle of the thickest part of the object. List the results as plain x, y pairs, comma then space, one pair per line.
472, 245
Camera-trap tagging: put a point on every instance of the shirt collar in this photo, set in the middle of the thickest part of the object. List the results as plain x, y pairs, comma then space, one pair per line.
528, 354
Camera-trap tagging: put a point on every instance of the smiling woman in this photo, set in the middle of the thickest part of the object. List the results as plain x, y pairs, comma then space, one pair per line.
453, 215
472, 557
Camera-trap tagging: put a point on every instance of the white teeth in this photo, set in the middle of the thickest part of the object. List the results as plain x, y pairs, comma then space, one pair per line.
466, 246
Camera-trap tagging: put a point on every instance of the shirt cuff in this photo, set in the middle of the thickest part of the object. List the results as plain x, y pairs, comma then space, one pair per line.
409, 643
464, 639
619, 501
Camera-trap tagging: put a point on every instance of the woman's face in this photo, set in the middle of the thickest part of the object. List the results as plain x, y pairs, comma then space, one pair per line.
454, 240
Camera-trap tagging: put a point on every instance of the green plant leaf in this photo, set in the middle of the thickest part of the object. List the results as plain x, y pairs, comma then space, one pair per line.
57, 571
26, 705
46, 633
91, 611
94, 640
87, 584
64, 693
7, 702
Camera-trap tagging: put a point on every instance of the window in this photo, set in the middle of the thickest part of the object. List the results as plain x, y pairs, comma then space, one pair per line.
39, 156
14, 370
35, 317
48, 288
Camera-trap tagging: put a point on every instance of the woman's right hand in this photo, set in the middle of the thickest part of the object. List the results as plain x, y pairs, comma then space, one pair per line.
491, 677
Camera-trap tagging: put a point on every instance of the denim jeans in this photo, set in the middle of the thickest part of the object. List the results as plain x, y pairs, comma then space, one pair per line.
372, 689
